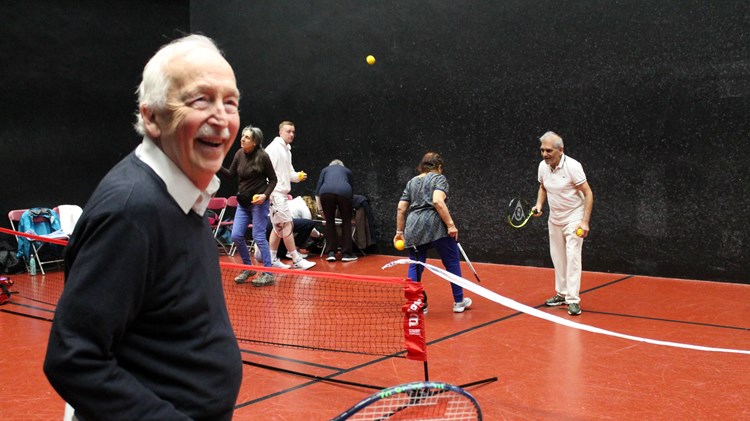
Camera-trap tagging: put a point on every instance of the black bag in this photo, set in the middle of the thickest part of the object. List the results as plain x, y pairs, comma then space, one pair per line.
9, 262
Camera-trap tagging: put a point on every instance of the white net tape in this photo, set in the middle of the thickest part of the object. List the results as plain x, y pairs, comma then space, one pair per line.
507, 302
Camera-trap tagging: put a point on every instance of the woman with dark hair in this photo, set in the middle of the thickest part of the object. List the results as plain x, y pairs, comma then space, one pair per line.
423, 222
256, 180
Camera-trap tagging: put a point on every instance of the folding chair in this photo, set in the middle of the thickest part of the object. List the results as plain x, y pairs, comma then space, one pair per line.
338, 223
217, 205
37, 222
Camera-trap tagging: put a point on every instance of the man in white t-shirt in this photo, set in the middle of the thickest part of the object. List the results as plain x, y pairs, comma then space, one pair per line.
280, 152
563, 182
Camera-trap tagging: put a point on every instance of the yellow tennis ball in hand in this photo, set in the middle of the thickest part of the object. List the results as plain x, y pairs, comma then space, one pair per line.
255, 197
370, 60
301, 175
399, 244
579, 232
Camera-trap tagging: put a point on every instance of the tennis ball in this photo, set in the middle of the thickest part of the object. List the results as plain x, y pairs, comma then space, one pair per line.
255, 197
399, 244
370, 60
301, 175
579, 232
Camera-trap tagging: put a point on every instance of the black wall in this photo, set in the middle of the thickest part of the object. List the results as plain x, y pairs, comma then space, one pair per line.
69, 74
652, 98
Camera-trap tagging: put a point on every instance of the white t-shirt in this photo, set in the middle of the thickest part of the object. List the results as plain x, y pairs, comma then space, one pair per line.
299, 209
566, 202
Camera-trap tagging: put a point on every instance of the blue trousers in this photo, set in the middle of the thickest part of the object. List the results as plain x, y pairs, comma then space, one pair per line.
242, 217
447, 249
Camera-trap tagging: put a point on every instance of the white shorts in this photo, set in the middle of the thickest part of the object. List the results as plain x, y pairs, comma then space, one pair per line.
280, 212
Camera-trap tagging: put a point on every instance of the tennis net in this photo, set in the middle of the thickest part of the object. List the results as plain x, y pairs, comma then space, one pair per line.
321, 311
328, 311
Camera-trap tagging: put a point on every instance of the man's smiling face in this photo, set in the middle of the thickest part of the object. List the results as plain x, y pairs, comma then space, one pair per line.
201, 119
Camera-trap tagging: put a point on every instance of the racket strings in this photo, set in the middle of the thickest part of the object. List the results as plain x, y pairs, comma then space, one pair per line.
519, 212
421, 404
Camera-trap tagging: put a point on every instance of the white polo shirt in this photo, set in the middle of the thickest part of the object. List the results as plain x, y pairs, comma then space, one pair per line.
566, 202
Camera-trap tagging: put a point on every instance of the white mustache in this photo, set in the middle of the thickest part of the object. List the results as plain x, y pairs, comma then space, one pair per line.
207, 130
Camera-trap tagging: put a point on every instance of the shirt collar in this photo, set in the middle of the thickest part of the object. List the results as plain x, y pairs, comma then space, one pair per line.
182, 190
559, 165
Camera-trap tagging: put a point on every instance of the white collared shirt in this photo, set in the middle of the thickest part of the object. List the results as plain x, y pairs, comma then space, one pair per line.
182, 190
566, 202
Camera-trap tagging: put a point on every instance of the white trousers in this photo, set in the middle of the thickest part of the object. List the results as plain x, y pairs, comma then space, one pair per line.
565, 249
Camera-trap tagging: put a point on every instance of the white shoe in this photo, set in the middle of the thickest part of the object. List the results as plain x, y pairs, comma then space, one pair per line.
463, 305
277, 264
303, 264
301, 255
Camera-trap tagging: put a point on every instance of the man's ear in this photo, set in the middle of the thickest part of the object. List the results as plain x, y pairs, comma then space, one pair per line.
153, 130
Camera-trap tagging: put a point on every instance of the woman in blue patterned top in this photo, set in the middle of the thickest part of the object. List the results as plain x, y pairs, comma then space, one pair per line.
423, 222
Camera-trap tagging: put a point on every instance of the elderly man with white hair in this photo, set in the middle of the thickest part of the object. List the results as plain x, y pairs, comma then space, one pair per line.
141, 331
563, 183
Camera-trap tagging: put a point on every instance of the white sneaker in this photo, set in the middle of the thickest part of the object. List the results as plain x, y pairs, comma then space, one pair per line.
277, 264
463, 305
301, 255
303, 264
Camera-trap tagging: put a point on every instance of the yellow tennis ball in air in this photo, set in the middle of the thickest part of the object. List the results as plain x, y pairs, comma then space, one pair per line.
399, 244
370, 60
579, 232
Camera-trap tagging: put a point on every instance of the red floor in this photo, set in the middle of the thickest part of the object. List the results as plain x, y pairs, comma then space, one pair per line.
544, 370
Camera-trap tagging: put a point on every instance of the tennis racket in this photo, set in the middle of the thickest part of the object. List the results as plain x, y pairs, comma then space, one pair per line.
416, 401
281, 222
519, 212
468, 261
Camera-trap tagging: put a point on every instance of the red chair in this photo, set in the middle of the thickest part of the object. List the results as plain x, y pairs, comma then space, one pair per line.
217, 207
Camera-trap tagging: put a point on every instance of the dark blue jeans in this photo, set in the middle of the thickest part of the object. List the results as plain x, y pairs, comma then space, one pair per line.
259, 221
447, 249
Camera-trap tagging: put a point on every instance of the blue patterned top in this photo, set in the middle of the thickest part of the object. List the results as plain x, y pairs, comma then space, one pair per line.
423, 224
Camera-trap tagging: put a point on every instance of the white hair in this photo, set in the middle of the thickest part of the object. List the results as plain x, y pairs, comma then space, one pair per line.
155, 84
336, 162
557, 141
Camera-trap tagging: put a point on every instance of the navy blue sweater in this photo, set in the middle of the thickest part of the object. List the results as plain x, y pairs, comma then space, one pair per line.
141, 330
335, 179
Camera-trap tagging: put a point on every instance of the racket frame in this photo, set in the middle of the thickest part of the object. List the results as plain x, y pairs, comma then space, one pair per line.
274, 211
512, 209
461, 249
415, 393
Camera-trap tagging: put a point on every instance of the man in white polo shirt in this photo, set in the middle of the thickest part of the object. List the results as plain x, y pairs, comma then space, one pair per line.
563, 182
